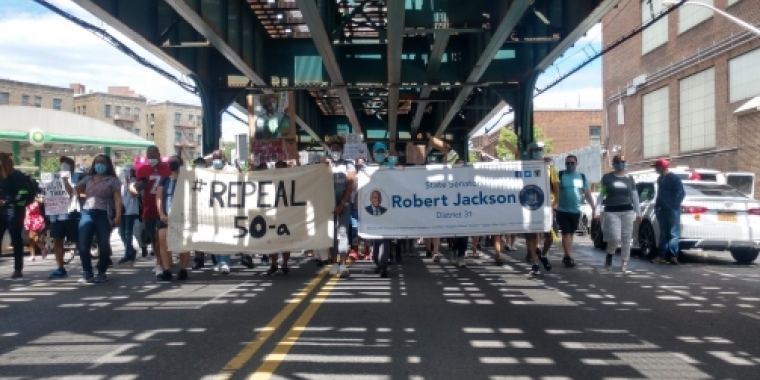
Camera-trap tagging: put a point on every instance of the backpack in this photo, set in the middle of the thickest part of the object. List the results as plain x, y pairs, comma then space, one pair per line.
561, 172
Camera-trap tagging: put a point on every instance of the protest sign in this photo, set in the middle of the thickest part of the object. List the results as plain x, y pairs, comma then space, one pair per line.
355, 147
57, 200
259, 212
438, 201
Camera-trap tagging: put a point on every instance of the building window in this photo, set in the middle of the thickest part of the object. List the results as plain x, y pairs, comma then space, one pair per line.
38, 101
690, 16
24, 100
190, 118
137, 131
656, 34
200, 140
177, 118
190, 137
57, 104
108, 110
5, 98
84, 110
177, 137
595, 135
137, 112
697, 111
117, 110
200, 119
656, 123
743, 76
127, 110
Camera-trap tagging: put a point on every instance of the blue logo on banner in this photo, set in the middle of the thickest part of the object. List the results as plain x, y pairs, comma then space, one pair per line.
518, 174
532, 197
528, 174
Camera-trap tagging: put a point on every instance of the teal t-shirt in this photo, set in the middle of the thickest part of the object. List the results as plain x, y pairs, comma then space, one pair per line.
571, 189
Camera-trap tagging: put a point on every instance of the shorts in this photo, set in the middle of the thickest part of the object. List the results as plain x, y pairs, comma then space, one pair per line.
568, 222
65, 229
161, 225
151, 225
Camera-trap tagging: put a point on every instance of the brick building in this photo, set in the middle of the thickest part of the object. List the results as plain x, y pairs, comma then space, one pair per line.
36, 95
176, 128
569, 129
682, 88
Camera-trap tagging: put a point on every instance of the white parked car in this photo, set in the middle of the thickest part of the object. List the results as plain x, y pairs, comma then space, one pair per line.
587, 216
714, 217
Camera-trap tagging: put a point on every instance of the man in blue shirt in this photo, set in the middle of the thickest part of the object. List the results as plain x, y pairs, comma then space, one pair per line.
572, 185
670, 194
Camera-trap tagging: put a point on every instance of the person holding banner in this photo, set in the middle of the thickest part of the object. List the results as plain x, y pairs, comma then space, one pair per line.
536, 152
100, 214
165, 196
285, 255
65, 226
381, 248
148, 177
344, 176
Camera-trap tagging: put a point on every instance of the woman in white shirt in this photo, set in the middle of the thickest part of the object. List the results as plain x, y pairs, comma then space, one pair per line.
130, 214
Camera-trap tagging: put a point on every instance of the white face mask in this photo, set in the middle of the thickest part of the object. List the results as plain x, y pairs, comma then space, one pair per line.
153, 161
65, 167
336, 155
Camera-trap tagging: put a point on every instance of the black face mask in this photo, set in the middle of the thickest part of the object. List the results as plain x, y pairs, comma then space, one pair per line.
174, 166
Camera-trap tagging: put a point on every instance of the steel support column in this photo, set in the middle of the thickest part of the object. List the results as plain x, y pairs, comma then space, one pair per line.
395, 28
311, 14
507, 25
520, 97
212, 117
16, 150
434, 63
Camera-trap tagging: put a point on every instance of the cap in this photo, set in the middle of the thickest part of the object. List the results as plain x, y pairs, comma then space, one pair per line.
536, 145
618, 158
379, 146
661, 163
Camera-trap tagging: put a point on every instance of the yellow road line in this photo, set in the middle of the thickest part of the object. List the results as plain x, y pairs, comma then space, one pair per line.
250, 349
273, 360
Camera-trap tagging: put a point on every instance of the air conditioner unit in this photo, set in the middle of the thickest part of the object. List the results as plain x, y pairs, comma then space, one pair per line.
116, 117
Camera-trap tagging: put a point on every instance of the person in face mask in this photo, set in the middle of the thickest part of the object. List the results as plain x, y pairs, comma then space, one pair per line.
219, 162
572, 186
148, 177
130, 214
621, 207
100, 215
65, 226
670, 195
165, 197
344, 177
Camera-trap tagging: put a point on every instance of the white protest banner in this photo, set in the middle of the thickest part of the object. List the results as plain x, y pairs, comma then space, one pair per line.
439, 200
57, 200
259, 212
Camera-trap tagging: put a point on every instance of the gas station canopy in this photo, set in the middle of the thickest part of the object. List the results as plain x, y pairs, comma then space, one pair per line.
56, 133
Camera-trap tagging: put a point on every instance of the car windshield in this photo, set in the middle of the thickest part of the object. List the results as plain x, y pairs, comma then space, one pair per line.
699, 190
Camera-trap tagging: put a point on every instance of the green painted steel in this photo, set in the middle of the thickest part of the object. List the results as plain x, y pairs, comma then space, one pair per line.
17, 137
16, 148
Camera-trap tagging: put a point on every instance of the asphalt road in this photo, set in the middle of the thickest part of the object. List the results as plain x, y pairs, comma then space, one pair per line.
700, 320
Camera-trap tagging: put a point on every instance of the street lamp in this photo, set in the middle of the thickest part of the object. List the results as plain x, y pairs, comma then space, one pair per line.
746, 25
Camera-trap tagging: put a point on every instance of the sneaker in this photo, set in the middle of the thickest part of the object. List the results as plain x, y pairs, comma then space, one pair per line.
377, 270
568, 261
285, 270
216, 268
144, 251
498, 261
101, 277
344, 272
17, 274
535, 270
182, 275
624, 269
124, 260
272, 270
59, 273
461, 263
86, 279
383, 272
546, 263
157, 270
656, 260
437, 258
247, 261
674, 261
428, 254
335, 268
224, 268
608, 262
165, 276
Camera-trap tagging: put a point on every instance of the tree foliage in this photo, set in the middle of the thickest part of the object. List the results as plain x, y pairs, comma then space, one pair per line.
507, 137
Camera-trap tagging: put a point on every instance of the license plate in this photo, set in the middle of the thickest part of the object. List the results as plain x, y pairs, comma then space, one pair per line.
726, 216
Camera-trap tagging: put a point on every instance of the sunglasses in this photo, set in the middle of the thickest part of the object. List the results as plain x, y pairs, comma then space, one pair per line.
570, 163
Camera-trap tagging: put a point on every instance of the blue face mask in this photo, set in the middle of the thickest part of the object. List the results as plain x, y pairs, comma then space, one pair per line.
100, 168
570, 167
619, 166
392, 159
218, 164
380, 157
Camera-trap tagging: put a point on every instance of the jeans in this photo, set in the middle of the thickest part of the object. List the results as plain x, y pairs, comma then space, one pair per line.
381, 251
94, 222
670, 231
461, 244
13, 221
126, 232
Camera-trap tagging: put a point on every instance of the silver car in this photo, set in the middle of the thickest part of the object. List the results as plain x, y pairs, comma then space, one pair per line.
714, 217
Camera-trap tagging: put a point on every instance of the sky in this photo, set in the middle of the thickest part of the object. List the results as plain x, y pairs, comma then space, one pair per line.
39, 46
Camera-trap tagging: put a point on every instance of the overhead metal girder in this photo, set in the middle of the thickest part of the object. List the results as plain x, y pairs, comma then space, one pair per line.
299, 121
127, 31
311, 15
591, 20
396, 11
513, 16
434, 63
193, 18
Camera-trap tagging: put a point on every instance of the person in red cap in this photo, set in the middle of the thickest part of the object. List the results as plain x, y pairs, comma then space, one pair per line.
670, 194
